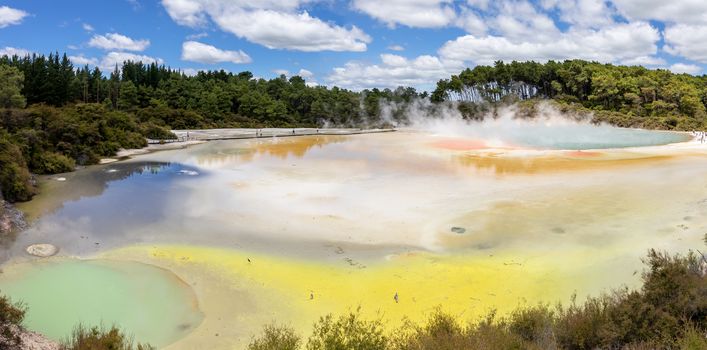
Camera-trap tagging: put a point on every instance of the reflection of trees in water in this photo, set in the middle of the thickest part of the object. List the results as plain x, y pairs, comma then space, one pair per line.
281, 148
500, 165
85, 183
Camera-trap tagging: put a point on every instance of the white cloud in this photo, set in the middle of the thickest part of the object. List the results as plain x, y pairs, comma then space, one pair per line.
279, 72
115, 41
271, 23
520, 20
305, 73
190, 72
279, 30
196, 36
677, 11
609, 44
87, 27
423, 71
687, 41
396, 48
416, 13
582, 13
644, 61
472, 22
12, 51
109, 61
198, 52
685, 68
10, 16
81, 60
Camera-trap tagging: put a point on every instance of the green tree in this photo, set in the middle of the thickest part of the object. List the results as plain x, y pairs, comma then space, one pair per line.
11, 80
128, 98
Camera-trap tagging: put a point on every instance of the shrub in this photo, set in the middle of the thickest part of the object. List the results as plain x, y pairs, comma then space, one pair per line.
442, 332
347, 332
276, 338
15, 180
157, 132
11, 316
533, 324
96, 338
53, 163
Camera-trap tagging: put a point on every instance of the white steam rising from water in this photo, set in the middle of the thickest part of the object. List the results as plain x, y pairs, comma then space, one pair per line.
548, 128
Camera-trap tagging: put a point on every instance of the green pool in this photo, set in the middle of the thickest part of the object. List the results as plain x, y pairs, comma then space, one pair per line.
150, 303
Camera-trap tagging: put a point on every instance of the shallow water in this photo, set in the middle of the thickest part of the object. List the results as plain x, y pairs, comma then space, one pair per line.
550, 131
291, 229
150, 303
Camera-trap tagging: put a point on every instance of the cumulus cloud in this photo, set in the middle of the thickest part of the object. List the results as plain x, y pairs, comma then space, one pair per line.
284, 72
115, 41
582, 13
677, 11
13, 51
394, 71
10, 16
688, 41
305, 73
87, 27
685, 68
198, 52
196, 36
609, 44
396, 48
643, 61
190, 72
81, 60
109, 61
417, 13
472, 22
271, 23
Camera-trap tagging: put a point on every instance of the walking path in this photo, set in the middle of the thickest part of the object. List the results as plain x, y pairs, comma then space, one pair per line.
228, 134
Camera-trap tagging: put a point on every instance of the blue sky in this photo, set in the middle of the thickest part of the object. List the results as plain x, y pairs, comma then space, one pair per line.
359, 43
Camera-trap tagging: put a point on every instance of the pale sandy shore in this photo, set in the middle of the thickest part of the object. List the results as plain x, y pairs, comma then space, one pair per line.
186, 138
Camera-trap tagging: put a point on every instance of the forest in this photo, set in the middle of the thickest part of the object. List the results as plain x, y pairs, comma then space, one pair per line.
627, 96
55, 115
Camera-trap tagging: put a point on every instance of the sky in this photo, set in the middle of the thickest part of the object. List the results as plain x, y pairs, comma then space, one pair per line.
358, 44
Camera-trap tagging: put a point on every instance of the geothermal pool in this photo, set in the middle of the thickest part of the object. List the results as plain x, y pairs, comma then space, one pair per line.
243, 232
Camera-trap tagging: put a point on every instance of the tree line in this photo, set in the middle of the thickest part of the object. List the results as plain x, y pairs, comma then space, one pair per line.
213, 98
632, 96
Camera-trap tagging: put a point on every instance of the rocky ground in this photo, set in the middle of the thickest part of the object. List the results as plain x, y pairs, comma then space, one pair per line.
11, 219
36, 341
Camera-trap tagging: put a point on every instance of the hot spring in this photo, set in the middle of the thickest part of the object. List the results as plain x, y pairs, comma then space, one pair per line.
466, 217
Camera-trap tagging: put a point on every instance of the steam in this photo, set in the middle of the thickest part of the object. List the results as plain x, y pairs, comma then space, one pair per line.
542, 126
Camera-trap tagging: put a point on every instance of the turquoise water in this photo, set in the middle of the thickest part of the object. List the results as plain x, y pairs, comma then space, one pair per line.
582, 137
550, 133
150, 303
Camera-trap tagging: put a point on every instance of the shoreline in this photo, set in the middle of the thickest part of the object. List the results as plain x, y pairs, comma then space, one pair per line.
186, 138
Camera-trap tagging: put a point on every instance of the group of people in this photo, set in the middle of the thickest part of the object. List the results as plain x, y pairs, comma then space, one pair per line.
700, 136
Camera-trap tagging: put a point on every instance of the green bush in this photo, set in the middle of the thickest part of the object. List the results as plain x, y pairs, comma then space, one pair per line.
53, 163
347, 332
97, 338
11, 317
276, 338
157, 132
15, 179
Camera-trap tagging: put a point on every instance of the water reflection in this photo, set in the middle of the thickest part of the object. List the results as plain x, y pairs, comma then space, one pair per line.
96, 207
504, 164
219, 153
